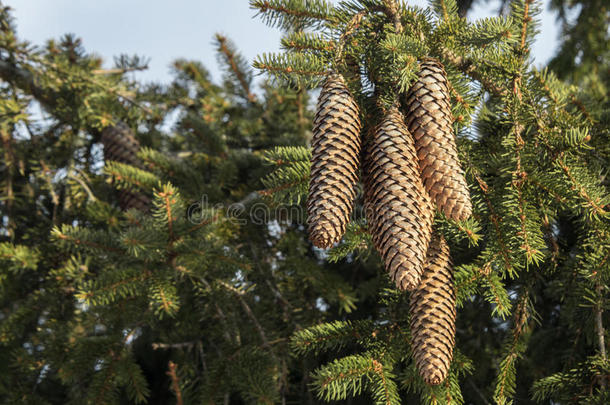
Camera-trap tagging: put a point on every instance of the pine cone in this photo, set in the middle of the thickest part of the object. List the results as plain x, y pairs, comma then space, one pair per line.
432, 307
334, 163
397, 208
121, 146
429, 120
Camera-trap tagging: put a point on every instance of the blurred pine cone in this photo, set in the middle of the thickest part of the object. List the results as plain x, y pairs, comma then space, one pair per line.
432, 307
398, 209
120, 145
429, 119
334, 163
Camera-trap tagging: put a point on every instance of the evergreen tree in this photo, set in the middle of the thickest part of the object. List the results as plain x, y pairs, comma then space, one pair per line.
181, 294
154, 243
530, 265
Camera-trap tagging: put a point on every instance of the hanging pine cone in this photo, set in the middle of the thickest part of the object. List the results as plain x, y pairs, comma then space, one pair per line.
397, 208
121, 146
432, 307
429, 119
334, 163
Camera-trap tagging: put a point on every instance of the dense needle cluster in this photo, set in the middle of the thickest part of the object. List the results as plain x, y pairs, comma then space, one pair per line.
410, 163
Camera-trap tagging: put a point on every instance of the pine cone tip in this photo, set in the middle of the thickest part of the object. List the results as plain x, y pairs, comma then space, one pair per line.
434, 378
322, 236
408, 282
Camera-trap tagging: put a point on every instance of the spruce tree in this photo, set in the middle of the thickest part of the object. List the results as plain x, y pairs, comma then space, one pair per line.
530, 265
181, 296
154, 244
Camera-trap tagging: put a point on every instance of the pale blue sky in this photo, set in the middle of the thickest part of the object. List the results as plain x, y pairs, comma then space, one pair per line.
164, 30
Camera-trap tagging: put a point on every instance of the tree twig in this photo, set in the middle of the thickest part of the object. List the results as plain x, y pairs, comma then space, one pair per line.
599, 326
391, 9
252, 317
183, 345
175, 382
468, 68
230, 56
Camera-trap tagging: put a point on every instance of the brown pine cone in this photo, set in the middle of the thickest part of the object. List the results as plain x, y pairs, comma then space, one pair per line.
429, 119
398, 209
120, 145
334, 163
432, 307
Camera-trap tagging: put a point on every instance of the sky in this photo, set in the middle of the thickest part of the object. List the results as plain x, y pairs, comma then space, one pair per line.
164, 30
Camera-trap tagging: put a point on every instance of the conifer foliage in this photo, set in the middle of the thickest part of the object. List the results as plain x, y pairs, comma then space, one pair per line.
101, 303
212, 291
514, 161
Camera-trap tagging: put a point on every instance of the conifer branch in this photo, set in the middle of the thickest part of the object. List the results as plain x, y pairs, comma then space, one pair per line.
26, 81
60, 235
126, 174
289, 13
102, 86
183, 345
444, 8
303, 41
521, 50
599, 324
351, 26
505, 386
469, 68
168, 203
291, 64
9, 159
112, 288
495, 220
576, 186
229, 55
518, 179
22, 256
336, 379
331, 336
526, 20
116, 71
497, 291
281, 187
46, 173
392, 10
203, 224
251, 315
